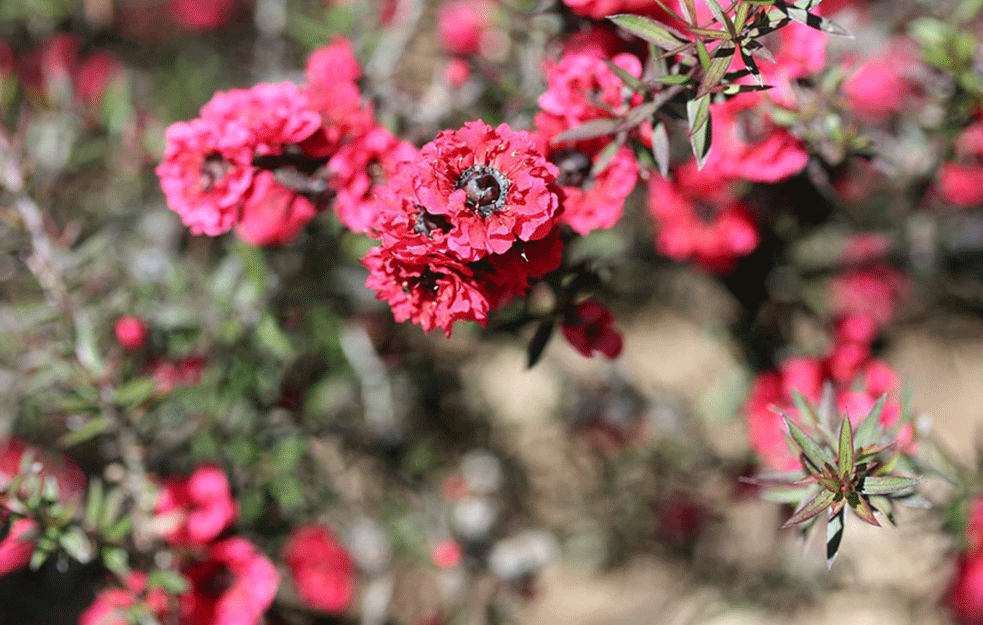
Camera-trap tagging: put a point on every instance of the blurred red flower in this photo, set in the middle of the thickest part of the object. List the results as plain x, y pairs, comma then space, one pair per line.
321, 568
199, 507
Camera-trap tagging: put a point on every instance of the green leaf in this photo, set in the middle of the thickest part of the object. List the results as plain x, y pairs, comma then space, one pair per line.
720, 16
834, 537
590, 129
811, 19
172, 582
672, 79
812, 450
862, 509
712, 77
700, 134
804, 407
77, 545
741, 16
660, 147
631, 81
604, 158
119, 529
703, 54
93, 502
811, 509
845, 460
539, 341
711, 34
648, 29
750, 64
887, 484
115, 560
87, 432
111, 507
135, 392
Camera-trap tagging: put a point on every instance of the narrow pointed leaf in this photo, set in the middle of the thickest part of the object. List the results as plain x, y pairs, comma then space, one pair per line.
539, 341
805, 409
810, 509
712, 77
700, 135
862, 509
750, 63
885, 485
735, 89
648, 29
811, 19
760, 51
638, 114
867, 430
813, 451
711, 33
590, 129
703, 54
741, 16
690, 11
660, 147
846, 447
628, 79
604, 158
720, 16
672, 79
93, 503
834, 537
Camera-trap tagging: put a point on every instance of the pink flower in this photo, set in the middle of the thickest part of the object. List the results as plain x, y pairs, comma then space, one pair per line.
447, 554
961, 181
131, 332
16, 548
170, 374
321, 568
356, 170
47, 72
748, 146
207, 171
457, 72
599, 9
201, 14
965, 593
461, 24
590, 329
111, 605
433, 290
582, 87
94, 76
333, 63
274, 214
699, 219
234, 586
880, 87
199, 507
491, 185
872, 287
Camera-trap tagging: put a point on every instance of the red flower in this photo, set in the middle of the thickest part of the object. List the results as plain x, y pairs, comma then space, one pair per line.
491, 185
961, 181
199, 507
698, 218
201, 14
880, 86
321, 568
432, 289
447, 554
747, 145
333, 63
589, 329
872, 288
94, 76
358, 167
965, 593
234, 586
170, 374
461, 24
131, 332
274, 214
599, 9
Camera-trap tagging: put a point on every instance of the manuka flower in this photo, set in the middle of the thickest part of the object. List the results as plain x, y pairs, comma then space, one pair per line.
198, 508
748, 145
699, 218
960, 181
358, 167
208, 171
432, 289
321, 568
233, 586
113, 606
589, 329
491, 185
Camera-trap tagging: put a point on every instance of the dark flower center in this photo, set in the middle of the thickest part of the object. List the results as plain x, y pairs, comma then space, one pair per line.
705, 212
486, 189
574, 168
426, 223
213, 169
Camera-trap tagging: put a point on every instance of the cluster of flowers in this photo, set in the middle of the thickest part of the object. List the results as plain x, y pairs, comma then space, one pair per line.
266, 159
230, 580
